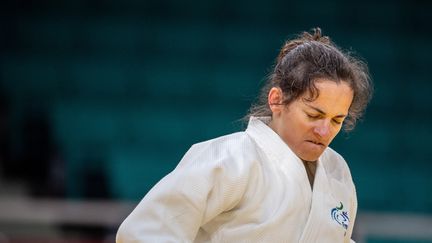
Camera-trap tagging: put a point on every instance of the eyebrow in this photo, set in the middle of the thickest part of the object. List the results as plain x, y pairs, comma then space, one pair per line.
323, 113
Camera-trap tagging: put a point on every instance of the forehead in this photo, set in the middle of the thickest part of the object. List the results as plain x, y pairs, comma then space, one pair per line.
333, 97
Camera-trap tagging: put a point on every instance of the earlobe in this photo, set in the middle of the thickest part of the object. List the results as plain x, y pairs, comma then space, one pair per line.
275, 98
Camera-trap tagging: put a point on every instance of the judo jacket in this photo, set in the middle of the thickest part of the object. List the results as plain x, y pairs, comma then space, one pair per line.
246, 187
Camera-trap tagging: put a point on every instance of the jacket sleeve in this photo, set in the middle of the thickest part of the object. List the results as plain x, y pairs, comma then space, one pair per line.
202, 186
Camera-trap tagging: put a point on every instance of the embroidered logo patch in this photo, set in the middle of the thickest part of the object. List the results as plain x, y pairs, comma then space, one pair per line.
340, 216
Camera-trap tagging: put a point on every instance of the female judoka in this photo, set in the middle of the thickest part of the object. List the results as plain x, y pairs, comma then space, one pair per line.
278, 181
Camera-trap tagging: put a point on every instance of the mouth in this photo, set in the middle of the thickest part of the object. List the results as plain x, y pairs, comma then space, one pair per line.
316, 143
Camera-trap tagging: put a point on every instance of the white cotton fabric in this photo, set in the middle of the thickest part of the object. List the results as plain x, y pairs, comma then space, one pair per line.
246, 187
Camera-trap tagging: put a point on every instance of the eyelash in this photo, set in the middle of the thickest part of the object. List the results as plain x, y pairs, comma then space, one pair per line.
313, 116
337, 122
318, 116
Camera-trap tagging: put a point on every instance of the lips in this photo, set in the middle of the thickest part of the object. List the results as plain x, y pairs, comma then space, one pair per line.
315, 142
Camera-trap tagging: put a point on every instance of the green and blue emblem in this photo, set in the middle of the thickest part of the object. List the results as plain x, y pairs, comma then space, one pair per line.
340, 216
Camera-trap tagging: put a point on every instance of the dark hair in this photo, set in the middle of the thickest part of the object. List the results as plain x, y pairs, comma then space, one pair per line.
309, 57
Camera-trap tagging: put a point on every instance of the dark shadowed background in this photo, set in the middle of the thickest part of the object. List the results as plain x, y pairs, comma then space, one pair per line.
100, 99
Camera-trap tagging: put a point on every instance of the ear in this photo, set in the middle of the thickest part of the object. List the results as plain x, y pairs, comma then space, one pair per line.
275, 98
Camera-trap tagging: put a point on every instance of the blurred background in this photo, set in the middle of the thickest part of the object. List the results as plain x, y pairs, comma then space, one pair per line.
100, 99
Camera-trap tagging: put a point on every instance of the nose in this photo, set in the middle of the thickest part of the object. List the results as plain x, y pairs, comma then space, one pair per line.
322, 130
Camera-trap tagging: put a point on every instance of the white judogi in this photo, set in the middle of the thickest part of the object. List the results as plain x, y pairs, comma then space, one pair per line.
246, 187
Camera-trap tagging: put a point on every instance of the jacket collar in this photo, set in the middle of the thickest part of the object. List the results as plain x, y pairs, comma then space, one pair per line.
269, 141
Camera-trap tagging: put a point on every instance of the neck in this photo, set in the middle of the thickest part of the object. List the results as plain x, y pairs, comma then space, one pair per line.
310, 167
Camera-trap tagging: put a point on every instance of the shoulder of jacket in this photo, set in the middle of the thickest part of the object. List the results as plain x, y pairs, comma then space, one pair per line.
232, 150
230, 142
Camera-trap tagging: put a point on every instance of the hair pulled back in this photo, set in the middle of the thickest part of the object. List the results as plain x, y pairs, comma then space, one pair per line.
309, 57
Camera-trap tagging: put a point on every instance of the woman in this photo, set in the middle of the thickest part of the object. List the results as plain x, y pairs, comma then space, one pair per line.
278, 181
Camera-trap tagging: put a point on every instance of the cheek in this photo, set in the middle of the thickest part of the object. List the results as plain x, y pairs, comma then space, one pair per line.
335, 132
298, 130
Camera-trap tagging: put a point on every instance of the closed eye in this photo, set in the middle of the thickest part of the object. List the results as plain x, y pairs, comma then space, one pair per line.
313, 116
337, 122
